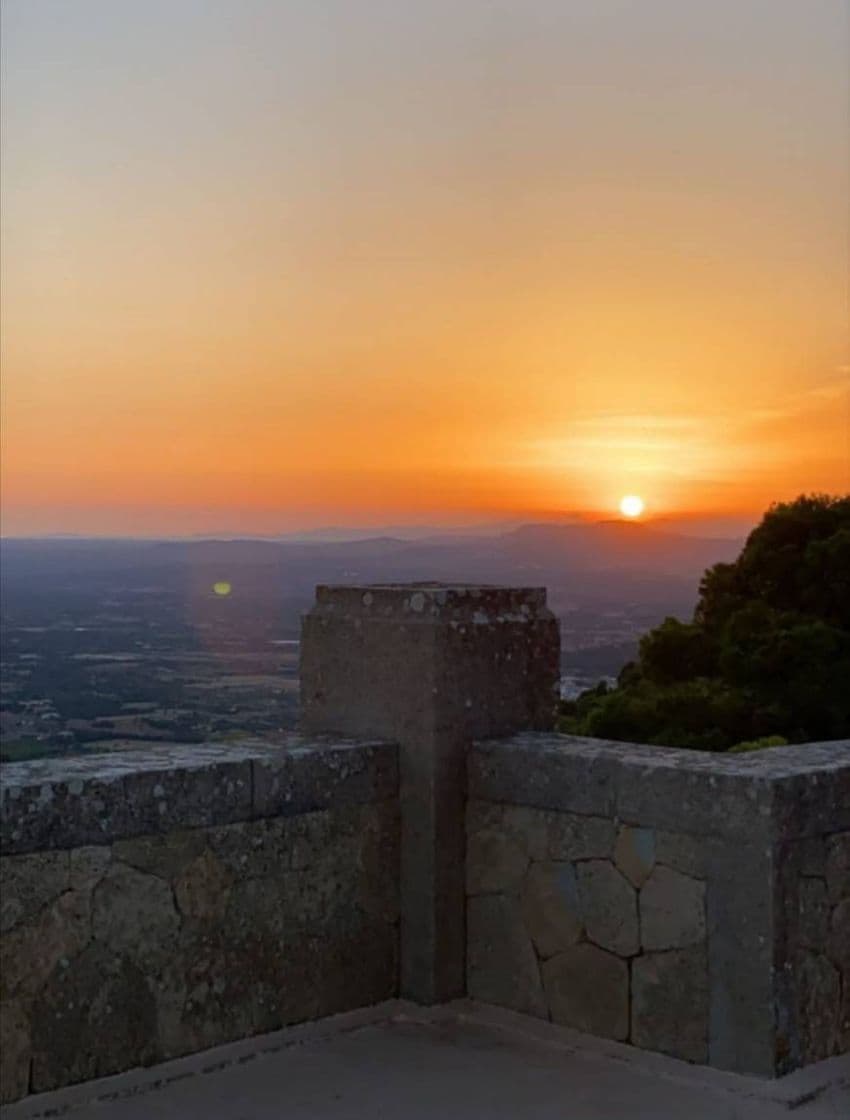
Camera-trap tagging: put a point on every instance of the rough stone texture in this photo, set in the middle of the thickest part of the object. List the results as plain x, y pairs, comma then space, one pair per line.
579, 914
814, 914
95, 1016
634, 854
14, 1050
726, 874
741, 958
63, 803
431, 667
813, 947
494, 862
550, 907
689, 854
838, 939
608, 905
501, 965
837, 868
818, 1005
672, 910
30, 884
544, 835
670, 1003
791, 791
161, 945
742, 858
588, 989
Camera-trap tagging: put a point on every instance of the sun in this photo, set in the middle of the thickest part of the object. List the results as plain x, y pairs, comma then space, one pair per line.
631, 505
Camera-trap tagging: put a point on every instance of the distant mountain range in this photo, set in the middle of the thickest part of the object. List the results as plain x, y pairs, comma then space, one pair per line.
608, 581
614, 558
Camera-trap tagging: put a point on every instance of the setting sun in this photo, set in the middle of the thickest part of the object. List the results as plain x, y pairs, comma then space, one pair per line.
631, 505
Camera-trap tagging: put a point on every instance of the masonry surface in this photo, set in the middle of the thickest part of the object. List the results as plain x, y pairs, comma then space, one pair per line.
127, 939
678, 901
426, 835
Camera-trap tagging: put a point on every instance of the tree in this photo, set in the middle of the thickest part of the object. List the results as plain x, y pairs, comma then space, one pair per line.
766, 656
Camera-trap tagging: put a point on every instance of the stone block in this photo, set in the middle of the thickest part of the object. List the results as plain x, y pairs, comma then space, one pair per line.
608, 905
202, 890
527, 828
811, 789
554, 772
634, 854
133, 914
838, 866
672, 910
320, 773
670, 1003
740, 912
838, 939
501, 963
14, 1051
95, 1017
813, 913
494, 862
588, 989
812, 854
31, 951
692, 792
64, 803
576, 837
166, 855
550, 907
818, 992
430, 667
688, 854
29, 883
88, 866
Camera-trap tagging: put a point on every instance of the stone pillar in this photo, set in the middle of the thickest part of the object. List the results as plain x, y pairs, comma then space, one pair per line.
430, 667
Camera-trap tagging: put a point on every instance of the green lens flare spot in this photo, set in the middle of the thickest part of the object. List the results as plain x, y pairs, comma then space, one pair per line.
222, 587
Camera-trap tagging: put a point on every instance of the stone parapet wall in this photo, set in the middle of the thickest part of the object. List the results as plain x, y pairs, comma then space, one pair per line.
160, 902
156, 903
687, 903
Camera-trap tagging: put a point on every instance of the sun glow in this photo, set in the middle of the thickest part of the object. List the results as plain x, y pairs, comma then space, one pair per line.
631, 505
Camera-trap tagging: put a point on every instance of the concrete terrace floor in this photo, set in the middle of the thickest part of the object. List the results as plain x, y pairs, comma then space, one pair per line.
462, 1060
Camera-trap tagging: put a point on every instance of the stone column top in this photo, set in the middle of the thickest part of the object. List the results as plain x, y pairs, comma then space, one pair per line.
445, 602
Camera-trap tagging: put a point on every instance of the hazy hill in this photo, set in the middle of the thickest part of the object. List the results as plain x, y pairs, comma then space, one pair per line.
611, 561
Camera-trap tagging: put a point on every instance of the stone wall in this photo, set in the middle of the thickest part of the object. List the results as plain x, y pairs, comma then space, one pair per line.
687, 903
157, 904
813, 947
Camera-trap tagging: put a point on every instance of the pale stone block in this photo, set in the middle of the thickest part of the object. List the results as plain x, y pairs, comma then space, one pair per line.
501, 964
670, 1003
494, 862
203, 889
672, 910
588, 989
634, 854
550, 907
608, 907
818, 987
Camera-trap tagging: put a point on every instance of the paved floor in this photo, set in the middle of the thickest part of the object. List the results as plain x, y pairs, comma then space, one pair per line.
444, 1068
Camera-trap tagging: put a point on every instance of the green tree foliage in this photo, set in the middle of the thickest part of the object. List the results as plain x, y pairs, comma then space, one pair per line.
766, 656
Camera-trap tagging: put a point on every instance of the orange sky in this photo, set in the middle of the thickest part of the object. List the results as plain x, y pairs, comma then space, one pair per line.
276, 265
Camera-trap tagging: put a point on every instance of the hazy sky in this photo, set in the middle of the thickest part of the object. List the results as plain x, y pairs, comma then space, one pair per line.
270, 263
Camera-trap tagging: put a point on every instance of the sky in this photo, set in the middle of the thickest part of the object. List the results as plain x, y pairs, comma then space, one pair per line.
274, 264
